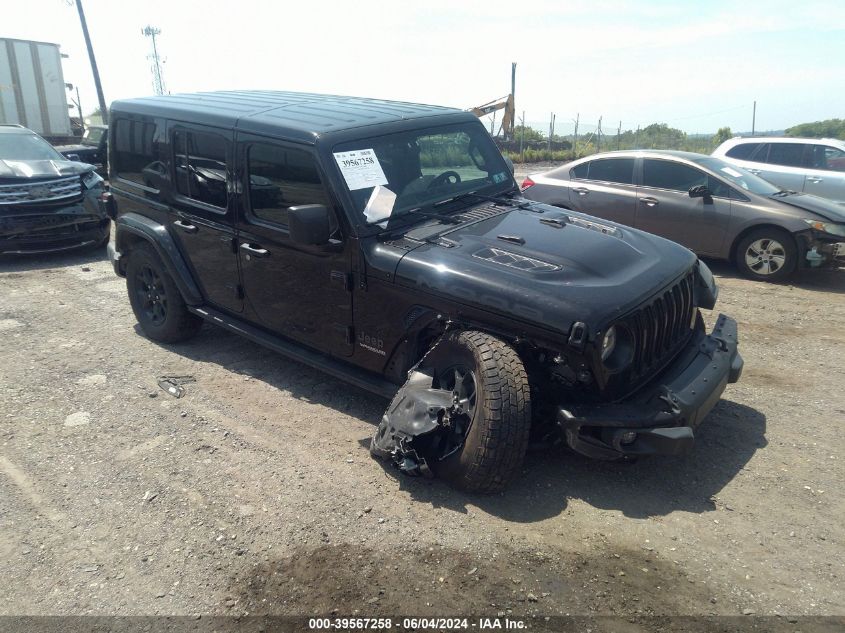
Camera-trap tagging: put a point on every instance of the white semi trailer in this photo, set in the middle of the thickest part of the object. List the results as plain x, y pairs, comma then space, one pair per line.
32, 88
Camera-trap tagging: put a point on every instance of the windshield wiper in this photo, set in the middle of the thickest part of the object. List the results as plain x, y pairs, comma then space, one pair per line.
502, 198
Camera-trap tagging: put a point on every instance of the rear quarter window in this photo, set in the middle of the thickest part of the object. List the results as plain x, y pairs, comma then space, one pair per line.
743, 151
615, 170
135, 155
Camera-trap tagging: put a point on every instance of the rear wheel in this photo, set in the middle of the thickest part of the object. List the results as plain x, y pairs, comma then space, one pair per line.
156, 301
483, 449
767, 254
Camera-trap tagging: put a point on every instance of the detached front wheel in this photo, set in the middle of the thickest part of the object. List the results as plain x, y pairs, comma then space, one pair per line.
484, 448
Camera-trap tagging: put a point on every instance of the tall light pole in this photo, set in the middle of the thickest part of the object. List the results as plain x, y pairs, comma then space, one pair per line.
158, 77
100, 97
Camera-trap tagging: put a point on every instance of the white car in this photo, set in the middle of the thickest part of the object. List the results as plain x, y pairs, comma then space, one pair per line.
811, 165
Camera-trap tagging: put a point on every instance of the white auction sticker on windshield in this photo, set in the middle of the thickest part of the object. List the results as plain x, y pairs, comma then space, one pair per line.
360, 169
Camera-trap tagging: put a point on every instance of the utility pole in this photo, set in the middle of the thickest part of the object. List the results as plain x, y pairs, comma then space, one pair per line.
575, 136
509, 133
79, 109
99, 86
618, 135
753, 118
158, 77
522, 138
598, 136
637, 139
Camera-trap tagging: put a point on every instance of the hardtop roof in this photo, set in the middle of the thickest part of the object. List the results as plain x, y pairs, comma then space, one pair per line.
304, 116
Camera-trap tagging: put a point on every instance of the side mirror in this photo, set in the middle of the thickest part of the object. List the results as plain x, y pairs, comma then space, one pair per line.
73, 157
700, 191
309, 224
509, 163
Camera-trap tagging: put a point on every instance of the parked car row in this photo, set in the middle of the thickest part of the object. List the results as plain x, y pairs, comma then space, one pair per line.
712, 207
389, 245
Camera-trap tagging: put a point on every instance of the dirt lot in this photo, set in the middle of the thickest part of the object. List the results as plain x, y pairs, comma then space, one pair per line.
255, 492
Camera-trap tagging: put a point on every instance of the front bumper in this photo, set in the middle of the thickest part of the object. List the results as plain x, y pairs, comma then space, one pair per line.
662, 417
30, 229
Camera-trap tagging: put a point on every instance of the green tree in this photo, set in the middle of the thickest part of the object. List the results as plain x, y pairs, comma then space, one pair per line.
530, 133
829, 128
722, 135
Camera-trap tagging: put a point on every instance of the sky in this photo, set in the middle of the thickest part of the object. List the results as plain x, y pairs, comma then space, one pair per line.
695, 65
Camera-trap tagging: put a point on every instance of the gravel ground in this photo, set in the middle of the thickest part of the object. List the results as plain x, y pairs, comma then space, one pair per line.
255, 493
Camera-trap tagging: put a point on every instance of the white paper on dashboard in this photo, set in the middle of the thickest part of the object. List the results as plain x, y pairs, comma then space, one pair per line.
380, 206
360, 168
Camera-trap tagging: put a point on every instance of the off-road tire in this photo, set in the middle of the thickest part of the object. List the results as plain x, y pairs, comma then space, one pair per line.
178, 323
789, 249
495, 445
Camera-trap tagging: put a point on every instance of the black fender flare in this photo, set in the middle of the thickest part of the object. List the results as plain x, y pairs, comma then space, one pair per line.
156, 234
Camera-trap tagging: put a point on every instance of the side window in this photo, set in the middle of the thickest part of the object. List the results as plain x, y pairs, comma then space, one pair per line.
199, 159
760, 153
580, 172
618, 170
743, 151
786, 154
135, 152
280, 178
664, 174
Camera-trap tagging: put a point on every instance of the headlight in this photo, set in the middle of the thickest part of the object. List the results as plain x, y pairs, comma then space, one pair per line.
91, 179
617, 348
608, 343
827, 227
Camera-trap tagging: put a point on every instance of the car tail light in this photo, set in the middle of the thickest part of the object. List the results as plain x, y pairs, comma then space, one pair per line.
527, 183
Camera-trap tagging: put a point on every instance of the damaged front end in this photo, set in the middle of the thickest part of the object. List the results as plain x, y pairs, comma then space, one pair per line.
422, 424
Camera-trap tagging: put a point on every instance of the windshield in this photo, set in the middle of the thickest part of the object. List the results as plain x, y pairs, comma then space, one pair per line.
93, 135
738, 176
389, 176
26, 147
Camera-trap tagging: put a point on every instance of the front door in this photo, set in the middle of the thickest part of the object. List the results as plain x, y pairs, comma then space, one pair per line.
202, 212
300, 292
665, 208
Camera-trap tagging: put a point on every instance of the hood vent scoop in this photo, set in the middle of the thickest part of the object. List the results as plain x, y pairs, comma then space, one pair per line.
512, 260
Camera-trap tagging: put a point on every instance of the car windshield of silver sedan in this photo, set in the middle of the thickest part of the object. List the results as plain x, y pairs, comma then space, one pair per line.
401, 174
27, 147
736, 175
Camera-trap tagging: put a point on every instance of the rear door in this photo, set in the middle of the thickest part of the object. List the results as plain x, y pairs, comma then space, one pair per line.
783, 165
826, 177
301, 292
605, 188
203, 212
665, 208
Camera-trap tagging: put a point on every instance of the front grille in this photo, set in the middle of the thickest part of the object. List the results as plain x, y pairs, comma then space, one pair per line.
41, 191
661, 326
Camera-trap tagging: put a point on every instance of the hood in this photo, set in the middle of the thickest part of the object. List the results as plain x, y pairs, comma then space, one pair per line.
18, 170
551, 268
820, 206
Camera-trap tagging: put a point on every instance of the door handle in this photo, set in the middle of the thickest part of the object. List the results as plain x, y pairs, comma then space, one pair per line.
254, 251
753, 171
652, 202
185, 226
581, 191
815, 179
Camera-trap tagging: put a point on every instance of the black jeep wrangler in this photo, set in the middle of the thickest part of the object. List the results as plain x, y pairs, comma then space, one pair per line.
388, 245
